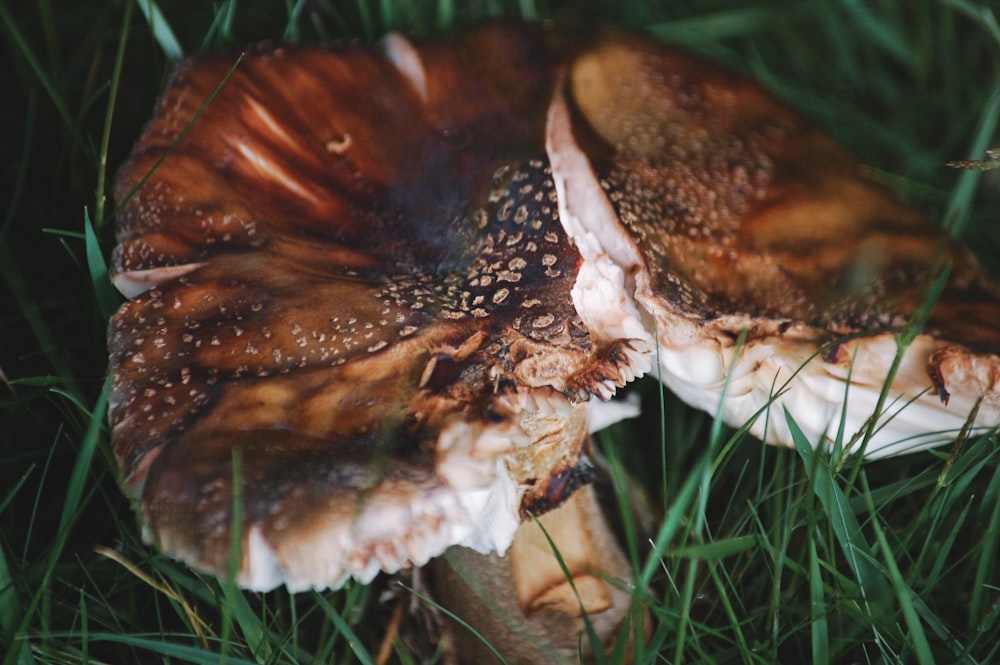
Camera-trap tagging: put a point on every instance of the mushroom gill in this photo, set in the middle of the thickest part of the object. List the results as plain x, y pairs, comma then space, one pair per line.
376, 287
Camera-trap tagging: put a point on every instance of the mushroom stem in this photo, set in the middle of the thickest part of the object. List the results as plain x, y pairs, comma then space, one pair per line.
529, 605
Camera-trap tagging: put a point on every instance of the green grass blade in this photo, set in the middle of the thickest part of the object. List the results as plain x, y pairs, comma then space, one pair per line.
71, 504
893, 38
84, 628
904, 596
731, 613
102, 156
19, 40
11, 616
107, 297
620, 483
984, 580
819, 629
960, 205
445, 14
15, 489
221, 29
528, 10
387, 12
460, 621
597, 649
842, 519
16, 192
182, 133
30, 311
675, 517
81, 469
357, 645
716, 549
235, 606
727, 23
182, 653
162, 32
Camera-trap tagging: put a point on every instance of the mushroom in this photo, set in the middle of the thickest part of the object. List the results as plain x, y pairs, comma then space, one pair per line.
352, 299
381, 318
735, 216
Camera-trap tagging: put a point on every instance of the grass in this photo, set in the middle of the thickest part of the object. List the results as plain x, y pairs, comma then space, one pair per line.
759, 555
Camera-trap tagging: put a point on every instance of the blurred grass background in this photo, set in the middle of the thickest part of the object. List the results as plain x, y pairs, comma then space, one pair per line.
766, 556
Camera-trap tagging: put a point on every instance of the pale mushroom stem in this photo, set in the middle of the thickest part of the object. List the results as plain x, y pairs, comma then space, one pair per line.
528, 605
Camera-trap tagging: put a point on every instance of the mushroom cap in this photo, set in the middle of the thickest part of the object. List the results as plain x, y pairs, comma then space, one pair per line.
351, 296
734, 215
375, 288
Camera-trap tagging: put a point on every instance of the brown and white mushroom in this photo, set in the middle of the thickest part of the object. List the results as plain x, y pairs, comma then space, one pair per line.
733, 214
380, 288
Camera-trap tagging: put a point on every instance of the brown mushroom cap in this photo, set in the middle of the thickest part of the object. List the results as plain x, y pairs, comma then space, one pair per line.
377, 288
363, 291
734, 214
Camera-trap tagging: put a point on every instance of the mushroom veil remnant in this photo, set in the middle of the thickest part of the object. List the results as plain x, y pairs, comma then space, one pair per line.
382, 288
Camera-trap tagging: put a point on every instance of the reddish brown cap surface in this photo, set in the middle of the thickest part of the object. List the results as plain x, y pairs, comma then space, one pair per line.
359, 287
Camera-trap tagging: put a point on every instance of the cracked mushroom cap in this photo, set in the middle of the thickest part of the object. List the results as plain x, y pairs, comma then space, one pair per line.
377, 288
733, 216
352, 296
